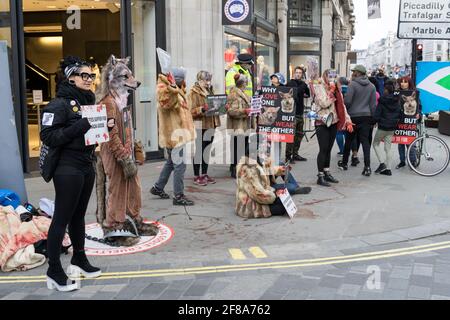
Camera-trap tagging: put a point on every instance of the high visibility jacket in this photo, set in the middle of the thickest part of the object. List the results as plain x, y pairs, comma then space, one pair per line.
230, 83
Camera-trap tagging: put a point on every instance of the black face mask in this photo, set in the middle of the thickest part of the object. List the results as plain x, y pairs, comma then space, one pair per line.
68, 90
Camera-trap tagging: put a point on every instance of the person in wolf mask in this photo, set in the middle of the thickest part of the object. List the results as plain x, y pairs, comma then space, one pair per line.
121, 220
63, 127
176, 129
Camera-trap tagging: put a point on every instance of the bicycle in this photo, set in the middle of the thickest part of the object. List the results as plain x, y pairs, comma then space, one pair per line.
431, 153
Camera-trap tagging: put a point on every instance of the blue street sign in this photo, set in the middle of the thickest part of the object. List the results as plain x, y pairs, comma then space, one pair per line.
433, 82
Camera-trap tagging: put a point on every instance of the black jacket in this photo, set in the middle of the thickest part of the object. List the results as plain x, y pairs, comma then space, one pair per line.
388, 112
63, 126
302, 92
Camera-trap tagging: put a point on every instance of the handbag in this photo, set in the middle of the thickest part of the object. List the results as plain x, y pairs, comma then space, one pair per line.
48, 161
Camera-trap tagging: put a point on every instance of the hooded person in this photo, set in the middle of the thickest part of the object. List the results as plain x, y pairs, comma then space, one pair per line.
360, 101
176, 129
119, 213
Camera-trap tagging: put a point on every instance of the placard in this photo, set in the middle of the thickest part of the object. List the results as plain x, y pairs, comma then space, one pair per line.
406, 130
256, 106
98, 119
37, 97
216, 105
287, 202
277, 119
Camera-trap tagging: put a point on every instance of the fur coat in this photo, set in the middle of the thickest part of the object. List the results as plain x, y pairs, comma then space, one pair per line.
254, 193
196, 101
176, 126
238, 119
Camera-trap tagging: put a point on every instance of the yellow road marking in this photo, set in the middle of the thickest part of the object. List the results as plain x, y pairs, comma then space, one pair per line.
257, 252
237, 254
246, 267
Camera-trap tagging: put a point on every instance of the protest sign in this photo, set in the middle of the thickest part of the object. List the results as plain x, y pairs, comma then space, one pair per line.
277, 119
256, 105
287, 202
216, 105
98, 120
406, 130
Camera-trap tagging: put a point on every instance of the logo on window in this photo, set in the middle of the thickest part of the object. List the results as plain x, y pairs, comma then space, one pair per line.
236, 10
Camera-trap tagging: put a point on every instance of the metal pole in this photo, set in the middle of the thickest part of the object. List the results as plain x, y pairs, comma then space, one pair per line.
414, 61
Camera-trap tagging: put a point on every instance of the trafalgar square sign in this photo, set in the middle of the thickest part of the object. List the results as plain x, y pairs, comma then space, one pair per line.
424, 19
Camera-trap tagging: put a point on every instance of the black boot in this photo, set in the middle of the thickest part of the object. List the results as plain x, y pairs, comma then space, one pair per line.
79, 265
330, 178
57, 279
321, 180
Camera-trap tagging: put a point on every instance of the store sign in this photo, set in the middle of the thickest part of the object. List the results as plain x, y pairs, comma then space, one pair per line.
424, 19
433, 82
237, 12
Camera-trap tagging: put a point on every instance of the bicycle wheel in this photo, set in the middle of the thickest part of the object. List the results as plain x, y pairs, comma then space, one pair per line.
432, 155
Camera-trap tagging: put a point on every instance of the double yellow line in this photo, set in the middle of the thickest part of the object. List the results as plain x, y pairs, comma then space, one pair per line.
248, 267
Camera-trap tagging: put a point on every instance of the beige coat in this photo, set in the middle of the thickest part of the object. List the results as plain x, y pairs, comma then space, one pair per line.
196, 101
238, 120
176, 126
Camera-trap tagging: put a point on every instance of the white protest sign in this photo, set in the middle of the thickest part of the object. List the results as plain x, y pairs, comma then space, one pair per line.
288, 203
256, 105
98, 119
37, 97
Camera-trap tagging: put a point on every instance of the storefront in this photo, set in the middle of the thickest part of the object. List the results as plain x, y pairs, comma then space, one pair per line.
40, 33
259, 39
304, 34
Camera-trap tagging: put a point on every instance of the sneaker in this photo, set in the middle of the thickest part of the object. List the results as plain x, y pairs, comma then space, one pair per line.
199, 180
299, 158
321, 181
367, 171
302, 190
209, 180
381, 167
181, 200
386, 172
330, 178
342, 165
355, 161
155, 191
400, 165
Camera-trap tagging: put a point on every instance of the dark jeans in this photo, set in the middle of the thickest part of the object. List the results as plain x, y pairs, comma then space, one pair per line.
340, 140
73, 189
325, 137
291, 184
402, 152
176, 163
362, 130
200, 155
292, 148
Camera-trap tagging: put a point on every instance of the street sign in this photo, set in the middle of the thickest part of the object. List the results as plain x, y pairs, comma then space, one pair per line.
424, 19
340, 46
433, 82
37, 97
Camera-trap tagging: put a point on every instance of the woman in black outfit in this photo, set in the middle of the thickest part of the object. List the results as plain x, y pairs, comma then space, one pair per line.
64, 128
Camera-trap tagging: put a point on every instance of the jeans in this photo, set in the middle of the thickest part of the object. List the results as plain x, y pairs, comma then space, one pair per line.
386, 137
340, 140
291, 184
200, 155
325, 137
402, 152
176, 163
362, 129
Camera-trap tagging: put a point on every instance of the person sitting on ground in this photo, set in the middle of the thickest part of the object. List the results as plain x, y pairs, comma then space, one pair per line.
387, 115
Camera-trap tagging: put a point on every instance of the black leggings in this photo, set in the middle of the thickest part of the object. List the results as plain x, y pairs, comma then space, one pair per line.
200, 155
362, 130
325, 136
73, 189
277, 208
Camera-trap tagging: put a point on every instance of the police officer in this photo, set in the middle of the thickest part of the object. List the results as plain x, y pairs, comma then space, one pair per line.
64, 128
243, 66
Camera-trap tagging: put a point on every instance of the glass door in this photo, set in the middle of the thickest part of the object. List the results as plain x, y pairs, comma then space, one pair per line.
143, 14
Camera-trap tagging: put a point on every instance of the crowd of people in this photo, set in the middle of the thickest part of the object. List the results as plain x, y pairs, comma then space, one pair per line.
348, 110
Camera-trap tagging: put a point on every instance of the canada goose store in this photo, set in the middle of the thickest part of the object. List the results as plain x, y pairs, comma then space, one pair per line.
39, 33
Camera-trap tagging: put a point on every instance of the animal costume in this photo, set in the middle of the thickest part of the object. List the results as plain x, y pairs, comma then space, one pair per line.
119, 214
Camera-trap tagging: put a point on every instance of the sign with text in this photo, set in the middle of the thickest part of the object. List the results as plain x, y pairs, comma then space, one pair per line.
287, 202
373, 9
406, 130
37, 97
256, 105
98, 120
424, 19
237, 12
216, 105
277, 119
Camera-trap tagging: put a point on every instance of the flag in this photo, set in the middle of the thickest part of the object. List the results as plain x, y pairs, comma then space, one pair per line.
373, 9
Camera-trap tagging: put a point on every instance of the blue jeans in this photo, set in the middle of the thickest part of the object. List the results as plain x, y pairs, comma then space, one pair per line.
176, 163
340, 140
291, 184
402, 152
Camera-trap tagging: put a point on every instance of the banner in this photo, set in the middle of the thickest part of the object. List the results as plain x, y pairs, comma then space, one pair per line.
373, 9
216, 105
433, 82
98, 120
11, 171
406, 130
277, 119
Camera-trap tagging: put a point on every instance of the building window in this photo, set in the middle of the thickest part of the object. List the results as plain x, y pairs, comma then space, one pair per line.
438, 58
234, 46
310, 62
439, 47
265, 64
304, 13
304, 44
260, 8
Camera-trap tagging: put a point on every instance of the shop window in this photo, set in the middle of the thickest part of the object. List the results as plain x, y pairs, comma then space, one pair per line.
264, 34
304, 44
234, 46
310, 62
305, 13
265, 64
260, 8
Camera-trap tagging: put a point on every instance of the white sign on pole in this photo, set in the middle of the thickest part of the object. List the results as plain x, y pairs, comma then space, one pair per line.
98, 119
37, 97
424, 19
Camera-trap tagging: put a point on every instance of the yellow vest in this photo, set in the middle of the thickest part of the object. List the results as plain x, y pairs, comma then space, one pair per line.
230, 83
